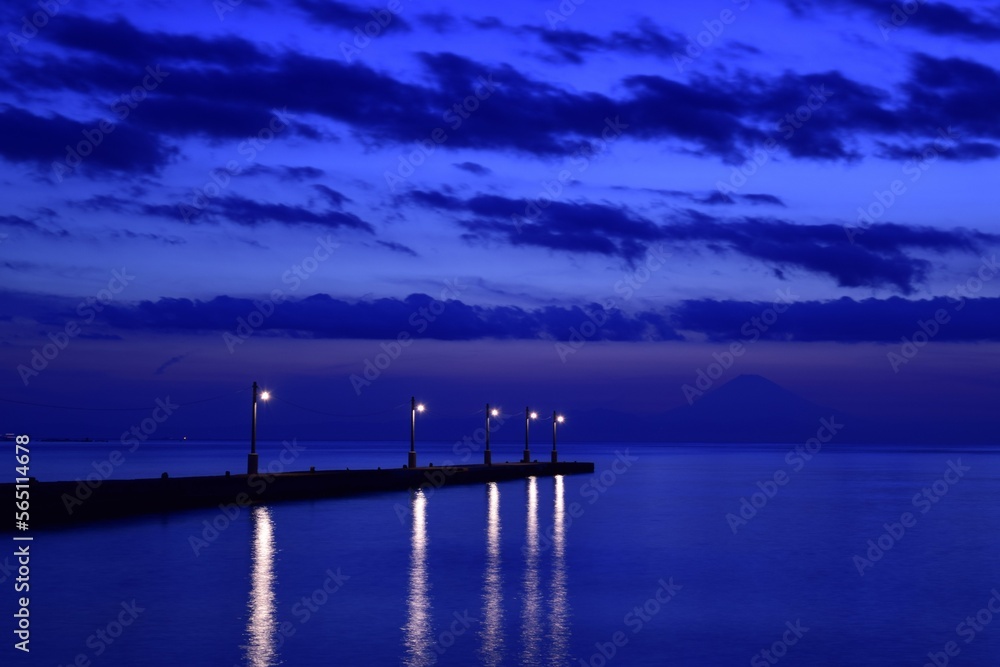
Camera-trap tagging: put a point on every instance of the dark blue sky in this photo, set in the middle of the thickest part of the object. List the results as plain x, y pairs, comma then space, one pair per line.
572, 205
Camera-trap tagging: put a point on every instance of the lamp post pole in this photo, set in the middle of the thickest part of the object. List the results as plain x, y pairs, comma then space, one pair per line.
488, 455
555, 454
252, 457
412, 461
527, 450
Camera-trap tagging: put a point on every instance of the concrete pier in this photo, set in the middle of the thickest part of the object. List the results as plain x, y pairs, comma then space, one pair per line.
70, 503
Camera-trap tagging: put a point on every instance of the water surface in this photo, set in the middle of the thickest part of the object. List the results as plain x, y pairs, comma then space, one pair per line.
544, 571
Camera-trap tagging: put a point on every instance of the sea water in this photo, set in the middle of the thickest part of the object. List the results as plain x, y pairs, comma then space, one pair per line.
666, 555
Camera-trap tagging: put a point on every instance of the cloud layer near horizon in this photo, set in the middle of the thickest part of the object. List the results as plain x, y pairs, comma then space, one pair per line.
960, 317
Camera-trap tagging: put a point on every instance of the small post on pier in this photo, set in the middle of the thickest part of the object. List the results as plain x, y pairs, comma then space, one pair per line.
488, 455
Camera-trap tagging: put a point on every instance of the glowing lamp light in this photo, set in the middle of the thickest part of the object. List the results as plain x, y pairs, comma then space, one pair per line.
528, 416
487, 454
414, 409
252, 457
556, 420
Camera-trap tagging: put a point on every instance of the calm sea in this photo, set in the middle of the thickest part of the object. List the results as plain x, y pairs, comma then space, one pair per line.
667, 555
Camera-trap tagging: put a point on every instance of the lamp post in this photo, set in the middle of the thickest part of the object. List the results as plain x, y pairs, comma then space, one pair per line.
528, 416
414, 409
488, 455
252, 457
556, 420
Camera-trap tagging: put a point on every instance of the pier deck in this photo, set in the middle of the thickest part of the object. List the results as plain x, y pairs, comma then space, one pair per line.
69, 503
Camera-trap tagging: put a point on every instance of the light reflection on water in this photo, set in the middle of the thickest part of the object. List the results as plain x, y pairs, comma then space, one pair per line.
261, 624
417, 634
540, 631
492, 631
531, 620
559, 610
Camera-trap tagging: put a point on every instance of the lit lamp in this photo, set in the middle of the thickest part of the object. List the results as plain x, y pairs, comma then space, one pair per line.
556, 420
528, 416
488, 455
414, 409
252, 457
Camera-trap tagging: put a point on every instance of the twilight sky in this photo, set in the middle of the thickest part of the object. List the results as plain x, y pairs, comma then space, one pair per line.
569, 205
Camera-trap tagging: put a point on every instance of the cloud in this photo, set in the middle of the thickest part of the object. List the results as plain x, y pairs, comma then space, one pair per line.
321, 316
946, 92
19, 222
398, 247
844, 320
567, 226
879, 260
569, 46
285, 173
167, 364
250, 213
717, 197
936, 18
335, 198
228, 88
960, 152
713, 197
385, 109
104, 202
347, 16
29, 226
61, 147
159, 238
439, 22
762, 199
121, 41
474, 168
